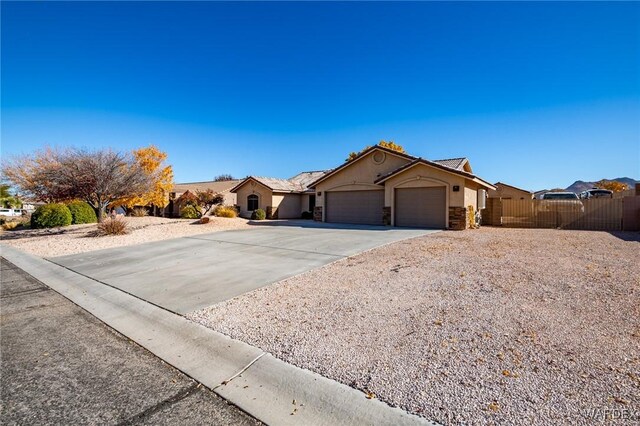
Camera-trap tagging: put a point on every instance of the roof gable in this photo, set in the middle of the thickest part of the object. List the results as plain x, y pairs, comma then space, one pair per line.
436, 165
360, 156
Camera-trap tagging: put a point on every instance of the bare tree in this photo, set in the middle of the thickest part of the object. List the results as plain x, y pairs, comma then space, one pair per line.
98, 177
223, 177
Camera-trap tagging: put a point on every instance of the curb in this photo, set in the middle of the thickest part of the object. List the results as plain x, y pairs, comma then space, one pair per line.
267, 388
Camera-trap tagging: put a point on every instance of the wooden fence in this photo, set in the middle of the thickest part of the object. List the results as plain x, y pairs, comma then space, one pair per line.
605, 214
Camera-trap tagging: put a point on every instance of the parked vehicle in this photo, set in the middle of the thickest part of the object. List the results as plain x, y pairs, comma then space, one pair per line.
560, 202
596, 193
11, 212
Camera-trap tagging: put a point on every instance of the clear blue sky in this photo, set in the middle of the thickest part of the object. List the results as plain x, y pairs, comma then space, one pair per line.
535, 94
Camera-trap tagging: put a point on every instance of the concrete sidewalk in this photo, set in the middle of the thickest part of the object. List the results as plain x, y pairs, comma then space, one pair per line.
60, 365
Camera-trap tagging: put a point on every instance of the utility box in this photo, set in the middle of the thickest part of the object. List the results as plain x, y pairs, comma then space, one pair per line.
482, 199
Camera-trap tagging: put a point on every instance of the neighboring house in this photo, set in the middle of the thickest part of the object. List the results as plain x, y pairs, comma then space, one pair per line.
222, 187
279, 198
509, 192
378, 187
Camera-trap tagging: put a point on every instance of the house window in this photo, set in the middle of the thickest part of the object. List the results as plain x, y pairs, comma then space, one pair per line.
252, 202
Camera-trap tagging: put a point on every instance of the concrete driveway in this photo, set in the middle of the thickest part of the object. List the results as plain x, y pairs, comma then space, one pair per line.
190, 273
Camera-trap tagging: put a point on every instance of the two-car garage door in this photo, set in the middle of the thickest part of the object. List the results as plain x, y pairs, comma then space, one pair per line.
423, 207
362, 207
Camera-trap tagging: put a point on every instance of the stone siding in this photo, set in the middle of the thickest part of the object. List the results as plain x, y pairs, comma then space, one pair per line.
317, 213
457, 218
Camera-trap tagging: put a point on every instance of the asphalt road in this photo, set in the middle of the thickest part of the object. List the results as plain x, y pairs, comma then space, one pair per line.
60, 365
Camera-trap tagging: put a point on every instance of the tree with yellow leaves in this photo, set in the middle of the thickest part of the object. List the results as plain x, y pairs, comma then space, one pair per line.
612, 185
152, 162
389, 145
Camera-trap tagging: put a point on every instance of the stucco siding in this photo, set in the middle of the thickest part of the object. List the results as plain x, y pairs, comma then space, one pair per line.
422, 175
287, 205
360, 175
508, 192
471, 195
264, 197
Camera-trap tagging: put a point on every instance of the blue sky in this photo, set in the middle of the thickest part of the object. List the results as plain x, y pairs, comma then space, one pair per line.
535, 94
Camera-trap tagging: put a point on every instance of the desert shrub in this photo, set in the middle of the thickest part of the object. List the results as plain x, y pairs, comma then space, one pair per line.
258, 215
203, 220
82, 212
189, 212
307, 215
51, 215
225, 211
139, 212
112, 226
11, 225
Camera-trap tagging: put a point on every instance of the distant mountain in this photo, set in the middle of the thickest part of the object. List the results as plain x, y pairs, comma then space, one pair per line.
580, 185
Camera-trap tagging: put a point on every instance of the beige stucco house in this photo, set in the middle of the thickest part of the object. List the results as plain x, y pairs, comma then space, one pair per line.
221, 187
378, 187
279, 198
509, 192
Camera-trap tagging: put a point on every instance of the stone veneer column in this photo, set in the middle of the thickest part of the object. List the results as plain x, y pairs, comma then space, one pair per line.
386, 216
457, 218
317, 213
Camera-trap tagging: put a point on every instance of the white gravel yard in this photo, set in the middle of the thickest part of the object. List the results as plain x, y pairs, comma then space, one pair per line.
504, 326
78, 238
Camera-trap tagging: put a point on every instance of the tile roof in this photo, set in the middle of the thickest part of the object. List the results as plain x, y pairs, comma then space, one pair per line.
453, 163
216, 186
298, 183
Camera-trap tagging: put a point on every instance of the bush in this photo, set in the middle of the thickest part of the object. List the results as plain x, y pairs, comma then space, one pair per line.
82, 212
115, 226
258, 215
203, 220
307, 215
225, 211
50, 216
11, 225
189, 212
139, 212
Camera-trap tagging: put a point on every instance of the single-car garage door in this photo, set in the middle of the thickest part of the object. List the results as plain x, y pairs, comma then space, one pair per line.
363, 207
421, 207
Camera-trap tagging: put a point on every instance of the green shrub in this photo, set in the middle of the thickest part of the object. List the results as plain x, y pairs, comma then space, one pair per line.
139, 212
258, 215
82, 212
189, 212
225, 211
51, 215
114, 226
307, 215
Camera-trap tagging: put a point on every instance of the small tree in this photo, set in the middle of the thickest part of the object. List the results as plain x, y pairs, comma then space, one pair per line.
151, 161
223, 177
612, 185
207, 199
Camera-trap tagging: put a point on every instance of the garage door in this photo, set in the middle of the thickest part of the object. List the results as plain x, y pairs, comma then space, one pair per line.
421, 207
364, 207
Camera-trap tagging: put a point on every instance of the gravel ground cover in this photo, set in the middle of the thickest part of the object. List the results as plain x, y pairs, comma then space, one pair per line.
492, 326
79, 239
